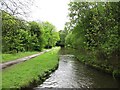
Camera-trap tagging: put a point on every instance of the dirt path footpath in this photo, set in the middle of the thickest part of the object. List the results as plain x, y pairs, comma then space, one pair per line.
7, 64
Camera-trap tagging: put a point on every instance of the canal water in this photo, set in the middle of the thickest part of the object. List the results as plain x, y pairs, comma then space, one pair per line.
73, 74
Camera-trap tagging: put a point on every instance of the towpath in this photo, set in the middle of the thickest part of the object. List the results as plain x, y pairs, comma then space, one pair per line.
7, 64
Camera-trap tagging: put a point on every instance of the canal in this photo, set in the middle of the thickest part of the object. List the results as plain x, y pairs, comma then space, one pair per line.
73, 74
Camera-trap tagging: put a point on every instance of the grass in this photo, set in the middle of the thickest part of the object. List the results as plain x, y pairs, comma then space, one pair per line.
23, 74
10, 57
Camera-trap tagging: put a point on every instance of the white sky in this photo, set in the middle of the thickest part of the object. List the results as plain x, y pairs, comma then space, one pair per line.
54, 11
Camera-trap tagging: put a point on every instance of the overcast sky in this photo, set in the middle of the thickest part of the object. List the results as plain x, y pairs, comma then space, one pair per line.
54, 11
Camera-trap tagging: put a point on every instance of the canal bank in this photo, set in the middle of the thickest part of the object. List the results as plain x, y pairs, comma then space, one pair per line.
101, 65
30, 73
41, 79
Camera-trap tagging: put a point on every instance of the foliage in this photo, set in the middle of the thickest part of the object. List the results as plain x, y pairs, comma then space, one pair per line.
62, 34
36, 31
19, 35
93, 27
50, 35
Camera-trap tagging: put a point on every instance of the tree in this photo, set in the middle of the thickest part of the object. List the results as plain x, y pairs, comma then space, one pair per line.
62, 34
36, 30
50, 35
20, 35
93, 27
18, 8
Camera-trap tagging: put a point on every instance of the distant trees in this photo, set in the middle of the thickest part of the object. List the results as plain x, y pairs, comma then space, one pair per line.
62, 34
20, 35
50, 35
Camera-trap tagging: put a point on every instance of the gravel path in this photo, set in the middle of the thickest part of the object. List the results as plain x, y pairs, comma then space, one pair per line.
7, 64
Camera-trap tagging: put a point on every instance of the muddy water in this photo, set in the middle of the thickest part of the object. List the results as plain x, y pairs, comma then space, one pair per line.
73, 74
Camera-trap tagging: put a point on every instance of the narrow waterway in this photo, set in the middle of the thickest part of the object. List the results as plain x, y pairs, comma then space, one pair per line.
73, 74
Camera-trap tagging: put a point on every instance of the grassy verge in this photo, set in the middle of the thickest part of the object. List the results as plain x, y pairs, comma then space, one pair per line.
23, 74
103, 66
10, 57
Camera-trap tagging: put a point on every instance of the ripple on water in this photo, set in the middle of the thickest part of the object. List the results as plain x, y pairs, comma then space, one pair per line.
72, 74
